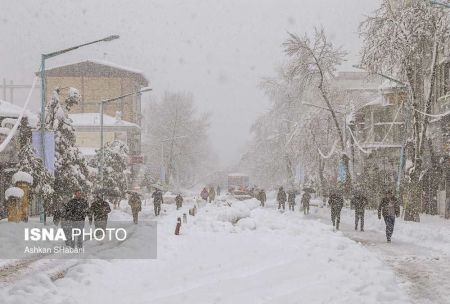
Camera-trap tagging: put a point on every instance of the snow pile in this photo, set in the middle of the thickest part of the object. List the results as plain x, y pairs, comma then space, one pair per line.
22, 177
246, 224
13, 192
237, 211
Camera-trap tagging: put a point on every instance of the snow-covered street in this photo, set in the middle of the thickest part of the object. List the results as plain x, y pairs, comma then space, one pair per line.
248, 254
200, 152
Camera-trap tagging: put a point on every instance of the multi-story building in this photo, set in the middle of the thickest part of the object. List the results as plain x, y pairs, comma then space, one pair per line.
96, 81
87, 129
380, 132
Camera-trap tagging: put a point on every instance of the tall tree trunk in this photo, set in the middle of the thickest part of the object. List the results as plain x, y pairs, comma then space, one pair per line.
413, 204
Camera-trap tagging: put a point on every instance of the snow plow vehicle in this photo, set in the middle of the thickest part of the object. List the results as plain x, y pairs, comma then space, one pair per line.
238, 186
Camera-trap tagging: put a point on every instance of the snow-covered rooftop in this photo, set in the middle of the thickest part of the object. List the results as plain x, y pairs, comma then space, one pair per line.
86, 151
8, 109
390, 85
93, 120
115, 65
99, 62
102, 62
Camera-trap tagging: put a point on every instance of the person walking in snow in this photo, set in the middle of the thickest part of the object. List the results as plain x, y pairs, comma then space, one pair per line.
336, 202
136, 205
99, 213
359, 202
291, 200
179, 201
212, 194
204, 194
157, 201
281, 198
261, 196
218, 190
306, 199
73, 215
390, 209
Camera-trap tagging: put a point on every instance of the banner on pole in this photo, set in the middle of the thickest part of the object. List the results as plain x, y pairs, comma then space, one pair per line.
341, 172
49, 148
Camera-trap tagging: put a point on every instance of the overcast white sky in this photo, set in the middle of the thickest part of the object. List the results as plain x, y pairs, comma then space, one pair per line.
217, 49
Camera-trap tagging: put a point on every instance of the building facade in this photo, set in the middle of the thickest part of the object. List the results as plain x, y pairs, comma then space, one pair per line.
97, 81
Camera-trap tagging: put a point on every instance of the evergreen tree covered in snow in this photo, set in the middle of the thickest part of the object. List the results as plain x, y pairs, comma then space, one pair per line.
29, 163
114, 170
71, 171
149, 179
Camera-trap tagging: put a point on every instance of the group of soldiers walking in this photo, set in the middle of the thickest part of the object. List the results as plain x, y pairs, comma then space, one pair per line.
389, 209
290, 197
72, 214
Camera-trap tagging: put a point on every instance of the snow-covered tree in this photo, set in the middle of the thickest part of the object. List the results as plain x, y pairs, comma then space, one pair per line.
149, 179
288, 136
313, 62
404, 39
71, 171
28, 162
115, 170
174, 123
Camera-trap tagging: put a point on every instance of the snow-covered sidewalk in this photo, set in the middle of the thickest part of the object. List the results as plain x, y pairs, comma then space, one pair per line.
419, 252
237, 254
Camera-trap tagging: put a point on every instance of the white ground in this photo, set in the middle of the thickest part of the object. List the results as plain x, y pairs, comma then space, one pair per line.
264, 257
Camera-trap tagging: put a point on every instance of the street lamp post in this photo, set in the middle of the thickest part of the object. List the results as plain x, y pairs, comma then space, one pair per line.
102, 103
43, 89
